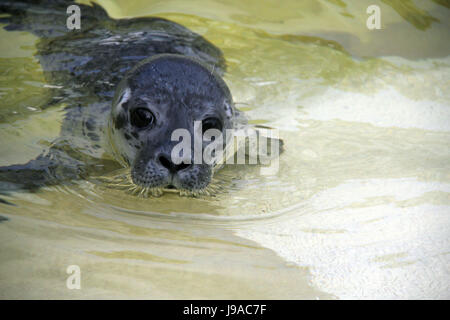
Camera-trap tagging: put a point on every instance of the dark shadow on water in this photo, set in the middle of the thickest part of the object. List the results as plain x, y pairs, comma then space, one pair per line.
419, 18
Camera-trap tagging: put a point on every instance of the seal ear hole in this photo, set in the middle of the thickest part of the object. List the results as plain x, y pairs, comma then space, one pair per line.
211, 123
141, 117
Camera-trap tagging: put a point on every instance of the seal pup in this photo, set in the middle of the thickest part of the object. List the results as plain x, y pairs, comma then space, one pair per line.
126, 84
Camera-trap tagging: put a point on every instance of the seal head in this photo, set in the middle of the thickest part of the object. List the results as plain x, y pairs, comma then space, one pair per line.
160, 95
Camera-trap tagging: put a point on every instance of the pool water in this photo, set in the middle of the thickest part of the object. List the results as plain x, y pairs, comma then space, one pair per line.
359, 207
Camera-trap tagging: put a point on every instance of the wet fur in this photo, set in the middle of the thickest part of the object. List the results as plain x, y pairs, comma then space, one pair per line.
84, 67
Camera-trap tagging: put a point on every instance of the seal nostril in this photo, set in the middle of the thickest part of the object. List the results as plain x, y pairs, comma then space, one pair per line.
168, 164
182, 166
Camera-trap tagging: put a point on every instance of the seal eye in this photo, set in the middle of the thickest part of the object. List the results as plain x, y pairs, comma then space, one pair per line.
211, 123
141, 117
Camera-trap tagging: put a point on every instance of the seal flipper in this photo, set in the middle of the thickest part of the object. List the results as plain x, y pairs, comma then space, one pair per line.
264, 132
46, 169
30, 176
261, 132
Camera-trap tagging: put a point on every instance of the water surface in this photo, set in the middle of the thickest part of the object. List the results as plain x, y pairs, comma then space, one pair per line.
359, 208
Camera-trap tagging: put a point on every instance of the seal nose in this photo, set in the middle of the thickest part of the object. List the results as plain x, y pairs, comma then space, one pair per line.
167, 163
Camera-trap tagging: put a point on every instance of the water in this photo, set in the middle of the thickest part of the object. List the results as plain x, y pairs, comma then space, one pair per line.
359, 207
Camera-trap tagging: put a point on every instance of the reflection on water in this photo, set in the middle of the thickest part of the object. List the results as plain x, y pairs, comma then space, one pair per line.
359, 207
419, 18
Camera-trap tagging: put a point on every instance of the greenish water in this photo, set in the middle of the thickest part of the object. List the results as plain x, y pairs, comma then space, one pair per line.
360, 207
